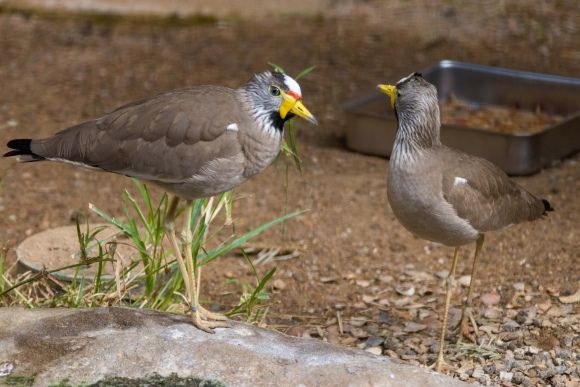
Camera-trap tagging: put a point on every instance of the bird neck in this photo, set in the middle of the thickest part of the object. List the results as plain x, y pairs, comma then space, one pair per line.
416, 132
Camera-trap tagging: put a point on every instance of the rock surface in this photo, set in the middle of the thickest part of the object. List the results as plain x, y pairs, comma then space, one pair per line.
88, 345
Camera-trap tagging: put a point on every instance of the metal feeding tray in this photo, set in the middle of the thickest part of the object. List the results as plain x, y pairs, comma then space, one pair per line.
371, 124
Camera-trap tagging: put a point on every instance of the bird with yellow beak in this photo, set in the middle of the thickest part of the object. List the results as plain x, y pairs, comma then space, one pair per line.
194, 143
443, 195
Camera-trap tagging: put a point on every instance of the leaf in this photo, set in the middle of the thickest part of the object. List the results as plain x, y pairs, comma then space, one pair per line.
277, 68
305, 72
211, 255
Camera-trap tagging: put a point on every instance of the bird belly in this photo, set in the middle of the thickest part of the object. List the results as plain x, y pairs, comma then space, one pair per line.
214, 178
426, 214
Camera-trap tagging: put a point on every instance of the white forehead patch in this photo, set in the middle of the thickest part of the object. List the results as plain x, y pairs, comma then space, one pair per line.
405, 79
292, 85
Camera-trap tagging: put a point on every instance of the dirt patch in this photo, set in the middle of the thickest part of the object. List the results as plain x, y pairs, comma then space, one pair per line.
355, 255
51, 338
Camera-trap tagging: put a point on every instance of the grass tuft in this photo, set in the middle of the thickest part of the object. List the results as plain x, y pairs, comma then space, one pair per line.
150, 278
479, 351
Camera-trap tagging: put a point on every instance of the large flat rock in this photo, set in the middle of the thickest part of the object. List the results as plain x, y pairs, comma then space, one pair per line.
88, 345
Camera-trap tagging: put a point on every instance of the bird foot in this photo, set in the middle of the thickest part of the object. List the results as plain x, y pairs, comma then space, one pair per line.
439, 364
207, 315
464, 331
206, 325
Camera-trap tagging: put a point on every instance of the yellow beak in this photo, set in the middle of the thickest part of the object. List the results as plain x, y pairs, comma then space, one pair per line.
292, 105
391, 91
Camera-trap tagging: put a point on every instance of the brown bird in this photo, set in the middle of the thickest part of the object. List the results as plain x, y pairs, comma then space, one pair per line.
443, 195
195, 143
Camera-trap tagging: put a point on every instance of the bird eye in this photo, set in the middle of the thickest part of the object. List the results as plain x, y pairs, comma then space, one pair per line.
275, 91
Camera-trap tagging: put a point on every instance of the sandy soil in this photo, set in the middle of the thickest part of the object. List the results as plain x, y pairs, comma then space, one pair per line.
57, 73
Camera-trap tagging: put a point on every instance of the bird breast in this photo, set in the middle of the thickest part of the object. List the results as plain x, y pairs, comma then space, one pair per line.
260, 150
416, 199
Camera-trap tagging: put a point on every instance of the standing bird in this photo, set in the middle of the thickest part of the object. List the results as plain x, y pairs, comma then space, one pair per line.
194, 143
444, 195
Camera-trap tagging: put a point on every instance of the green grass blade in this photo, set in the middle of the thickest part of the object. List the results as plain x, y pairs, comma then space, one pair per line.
145, 195
277, 68
304, 72
138, 210
117, 223
292, 146
211, 255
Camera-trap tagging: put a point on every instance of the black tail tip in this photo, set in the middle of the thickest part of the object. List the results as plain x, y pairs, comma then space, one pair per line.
21, 147
547, 205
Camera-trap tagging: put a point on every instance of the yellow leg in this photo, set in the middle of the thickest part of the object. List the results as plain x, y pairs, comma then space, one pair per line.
206, 314
170, 231
200, 316
449, 287
467, 314
185, 263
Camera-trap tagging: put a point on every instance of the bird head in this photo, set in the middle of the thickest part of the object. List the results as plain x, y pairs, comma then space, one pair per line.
278, 96
412, 95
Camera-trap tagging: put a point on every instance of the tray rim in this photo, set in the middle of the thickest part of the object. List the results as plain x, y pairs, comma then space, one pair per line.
351, 106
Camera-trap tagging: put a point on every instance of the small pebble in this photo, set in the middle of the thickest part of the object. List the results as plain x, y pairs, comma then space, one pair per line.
363, 283
511, 336
391, 354
406, 289
507, 376
547, 373
519, 286
560, 369
526, 316
358, 321
477, 373
563, 353
279, 284
375, 350
385, 318
518, 378
510, 326
484, 380
464, 280
567, 341
375, 341
490, 298
533, 350
508, 363
391, 343
412, 327
492, 313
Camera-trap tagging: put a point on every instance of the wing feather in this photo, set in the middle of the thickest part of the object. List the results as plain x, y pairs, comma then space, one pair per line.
168, 137
483, 194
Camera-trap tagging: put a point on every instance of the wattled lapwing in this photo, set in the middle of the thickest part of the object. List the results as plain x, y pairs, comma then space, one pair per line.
444, 195
195, 143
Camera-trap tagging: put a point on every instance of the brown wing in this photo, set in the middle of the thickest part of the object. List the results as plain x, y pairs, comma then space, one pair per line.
483, 194
167, 137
